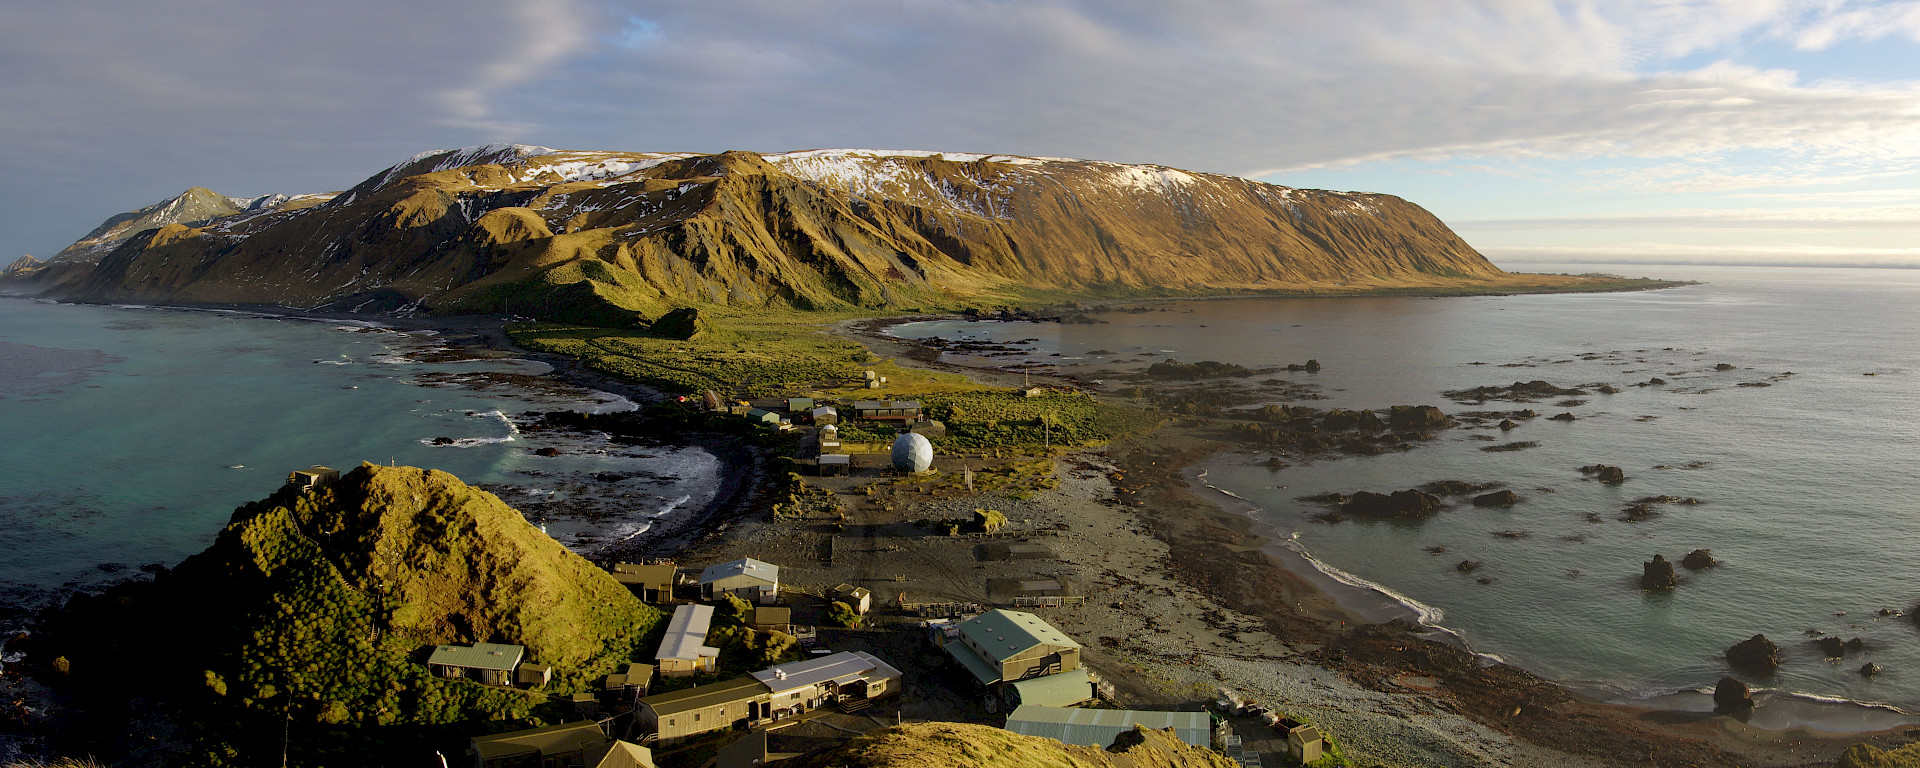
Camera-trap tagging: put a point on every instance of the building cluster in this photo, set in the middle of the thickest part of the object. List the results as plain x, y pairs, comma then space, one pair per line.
850, 680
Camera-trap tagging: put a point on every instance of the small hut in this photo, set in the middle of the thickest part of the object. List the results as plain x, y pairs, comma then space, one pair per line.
860, 598
312, 478
826, 415
835, 464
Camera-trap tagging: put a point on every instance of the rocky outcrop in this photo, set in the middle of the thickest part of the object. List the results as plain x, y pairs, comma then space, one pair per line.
1732, 697
1456, 487
1869, 669
1399, 504
505, 229
1756, 654
1519, 392
1605, 474
1497, 499
1835, 648
1699, 560
1658, 574
1417, 418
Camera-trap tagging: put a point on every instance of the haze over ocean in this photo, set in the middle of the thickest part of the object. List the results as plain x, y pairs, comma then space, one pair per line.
1807, 482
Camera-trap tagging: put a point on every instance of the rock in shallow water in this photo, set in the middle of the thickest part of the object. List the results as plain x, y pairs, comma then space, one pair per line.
1497, 499
1658, 574
1755, 654
1699, 559
1731, 697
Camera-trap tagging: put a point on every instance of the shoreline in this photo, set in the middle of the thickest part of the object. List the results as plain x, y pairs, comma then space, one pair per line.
1778, 710
1377, 619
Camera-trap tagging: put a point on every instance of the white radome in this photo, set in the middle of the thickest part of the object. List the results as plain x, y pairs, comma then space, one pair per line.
912, 453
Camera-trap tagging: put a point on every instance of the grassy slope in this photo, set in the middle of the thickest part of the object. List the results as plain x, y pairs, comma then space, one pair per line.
328, 603
960, 745
1869, 756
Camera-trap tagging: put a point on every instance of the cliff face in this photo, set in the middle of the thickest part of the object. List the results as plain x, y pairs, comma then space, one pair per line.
618, 238
333, 598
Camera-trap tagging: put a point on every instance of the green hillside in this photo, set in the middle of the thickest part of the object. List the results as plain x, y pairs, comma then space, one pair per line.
326, 603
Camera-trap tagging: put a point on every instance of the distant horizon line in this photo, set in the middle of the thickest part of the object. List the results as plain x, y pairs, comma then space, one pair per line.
1678, 263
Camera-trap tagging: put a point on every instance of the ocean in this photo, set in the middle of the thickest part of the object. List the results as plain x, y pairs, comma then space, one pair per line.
128, 435
1789, 409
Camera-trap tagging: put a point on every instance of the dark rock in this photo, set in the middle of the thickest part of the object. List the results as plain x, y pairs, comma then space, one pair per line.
1658, 574
1731, 697
1699, 560
1436, 550
1399, 504
1637, 512
1756, 654
1338, 420
1368, 421
684, 323
1275, 462
1485, 580
1413, 418
443, 441
1513, 534
1467, 566
547, 451
1607, 389
1562, 417
1497, 499
1507, 424
1456, 487
1329, 497
1604, 473
1833, 647
1723, 367
1311, 366
1869, 669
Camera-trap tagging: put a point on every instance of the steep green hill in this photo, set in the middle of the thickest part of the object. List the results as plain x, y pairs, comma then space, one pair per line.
328, 601
610, 238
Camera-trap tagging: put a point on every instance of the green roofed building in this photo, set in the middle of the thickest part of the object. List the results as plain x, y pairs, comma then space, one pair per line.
1099, 727
1062, 690
763, 416
490, 663
1003, 646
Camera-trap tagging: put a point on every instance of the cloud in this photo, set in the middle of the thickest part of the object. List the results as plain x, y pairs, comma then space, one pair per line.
123, 107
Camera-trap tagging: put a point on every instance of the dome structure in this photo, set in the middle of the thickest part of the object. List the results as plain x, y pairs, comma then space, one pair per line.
912, 453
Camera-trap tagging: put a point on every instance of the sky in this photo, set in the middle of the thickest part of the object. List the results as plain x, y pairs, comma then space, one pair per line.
1639, 131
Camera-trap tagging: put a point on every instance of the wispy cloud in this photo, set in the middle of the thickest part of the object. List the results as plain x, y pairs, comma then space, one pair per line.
127, 105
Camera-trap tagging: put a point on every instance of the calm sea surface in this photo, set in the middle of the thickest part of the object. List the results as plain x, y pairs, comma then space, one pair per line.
129, 435
1812, 501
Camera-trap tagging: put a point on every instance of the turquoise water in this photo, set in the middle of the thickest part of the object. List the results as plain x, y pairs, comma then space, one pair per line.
129, 435
1809, 483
